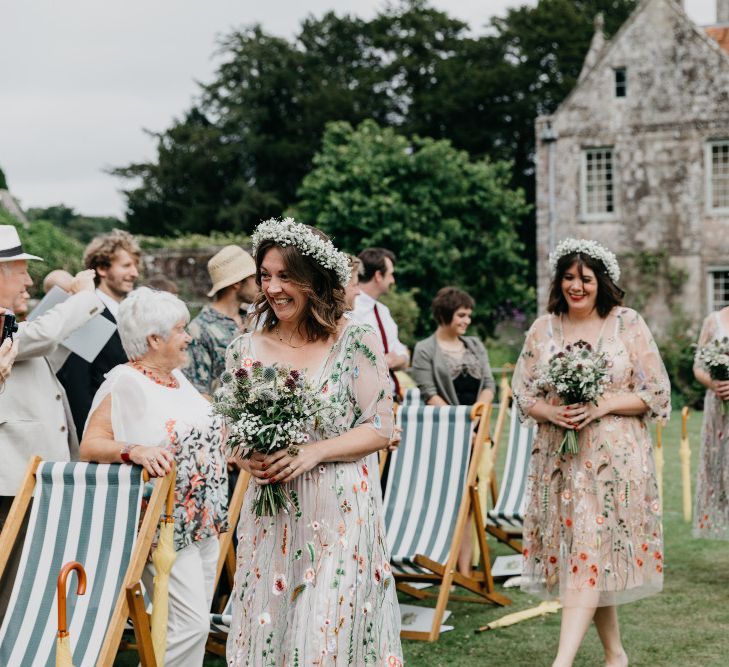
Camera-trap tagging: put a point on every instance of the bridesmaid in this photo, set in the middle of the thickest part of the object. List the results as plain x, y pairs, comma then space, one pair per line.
711, 519
592, 530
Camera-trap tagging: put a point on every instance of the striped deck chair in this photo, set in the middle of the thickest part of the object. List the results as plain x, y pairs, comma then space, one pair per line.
506, 520
219, 628
411, 397
431, 492
220, 622
89, 513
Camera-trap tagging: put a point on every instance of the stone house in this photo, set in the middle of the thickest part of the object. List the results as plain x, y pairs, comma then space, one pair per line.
637, 157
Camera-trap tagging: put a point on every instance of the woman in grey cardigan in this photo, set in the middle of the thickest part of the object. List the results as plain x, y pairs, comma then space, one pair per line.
449, 367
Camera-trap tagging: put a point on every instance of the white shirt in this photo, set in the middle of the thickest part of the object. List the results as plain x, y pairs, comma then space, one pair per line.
364, 313
111, 304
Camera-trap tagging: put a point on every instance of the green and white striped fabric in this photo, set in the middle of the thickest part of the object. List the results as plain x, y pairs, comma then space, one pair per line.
221, 622
411, 397
428, 476
85, 512
508, 512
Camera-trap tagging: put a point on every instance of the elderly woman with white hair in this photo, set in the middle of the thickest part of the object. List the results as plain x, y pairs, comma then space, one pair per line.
147, 413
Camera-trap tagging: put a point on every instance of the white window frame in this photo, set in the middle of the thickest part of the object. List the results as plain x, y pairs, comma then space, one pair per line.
711, 302
709, 175
600, 215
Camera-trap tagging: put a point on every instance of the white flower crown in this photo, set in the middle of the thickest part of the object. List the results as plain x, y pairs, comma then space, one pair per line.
289, 232
586, 247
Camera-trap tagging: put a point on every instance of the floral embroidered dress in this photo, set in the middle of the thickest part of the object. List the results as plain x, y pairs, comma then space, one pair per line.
592, 530
711, 518
314, 586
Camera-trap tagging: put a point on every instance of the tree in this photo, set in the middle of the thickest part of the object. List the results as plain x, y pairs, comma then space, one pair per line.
46, 240
3, 182
449, 220
241, 152
485, 93
80, 227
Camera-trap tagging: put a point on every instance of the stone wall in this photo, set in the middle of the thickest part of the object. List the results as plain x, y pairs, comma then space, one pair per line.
186, 268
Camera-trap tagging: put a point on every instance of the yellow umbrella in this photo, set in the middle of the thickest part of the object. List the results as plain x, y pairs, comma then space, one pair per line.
63, 643
485, 469
684, 452
163, 558
548, 607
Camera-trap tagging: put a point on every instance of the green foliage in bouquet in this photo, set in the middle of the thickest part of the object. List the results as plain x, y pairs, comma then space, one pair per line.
579, 374
267, 409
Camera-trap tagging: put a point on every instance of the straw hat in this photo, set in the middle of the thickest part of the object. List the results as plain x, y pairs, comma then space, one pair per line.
229, 266
10, 246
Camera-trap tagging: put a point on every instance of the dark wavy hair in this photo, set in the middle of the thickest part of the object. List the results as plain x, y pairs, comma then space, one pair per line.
325, 303
609, 294
447, 301
373, 260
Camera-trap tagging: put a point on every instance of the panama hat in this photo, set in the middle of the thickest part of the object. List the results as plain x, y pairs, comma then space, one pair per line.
229, 266
10, 247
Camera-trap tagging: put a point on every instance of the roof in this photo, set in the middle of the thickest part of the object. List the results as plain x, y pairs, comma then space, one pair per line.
720, 43
720, 33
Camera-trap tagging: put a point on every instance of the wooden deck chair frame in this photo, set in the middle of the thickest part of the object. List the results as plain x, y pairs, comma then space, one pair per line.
509, 538
481, 583
226, 558
129, 602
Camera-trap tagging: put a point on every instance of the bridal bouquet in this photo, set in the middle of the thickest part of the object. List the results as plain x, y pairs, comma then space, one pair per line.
714, 357
267, 409
578, 375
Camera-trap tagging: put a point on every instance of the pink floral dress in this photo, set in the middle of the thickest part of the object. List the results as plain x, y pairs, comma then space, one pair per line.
314, 586
711, 518
592, 530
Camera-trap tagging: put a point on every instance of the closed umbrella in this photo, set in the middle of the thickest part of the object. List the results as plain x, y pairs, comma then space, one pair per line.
684, 452
162, 559
63, 642
548, 607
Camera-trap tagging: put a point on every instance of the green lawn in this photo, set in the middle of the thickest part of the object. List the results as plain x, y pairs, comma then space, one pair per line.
686, 625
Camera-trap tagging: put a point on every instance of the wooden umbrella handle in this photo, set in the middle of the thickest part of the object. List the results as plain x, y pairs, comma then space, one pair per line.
80, 589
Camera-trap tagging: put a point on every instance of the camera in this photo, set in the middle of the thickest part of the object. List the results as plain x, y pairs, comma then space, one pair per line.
8, 326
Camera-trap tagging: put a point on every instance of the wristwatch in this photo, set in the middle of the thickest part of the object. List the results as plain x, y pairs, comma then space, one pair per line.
125, 452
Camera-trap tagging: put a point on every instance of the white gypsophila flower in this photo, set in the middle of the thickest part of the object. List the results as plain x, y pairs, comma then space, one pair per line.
586, 247
289, 232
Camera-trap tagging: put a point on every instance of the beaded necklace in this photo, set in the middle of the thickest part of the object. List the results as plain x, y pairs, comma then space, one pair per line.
170, 384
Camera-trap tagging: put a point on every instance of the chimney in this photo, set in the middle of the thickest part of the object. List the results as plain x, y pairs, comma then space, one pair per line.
722, 11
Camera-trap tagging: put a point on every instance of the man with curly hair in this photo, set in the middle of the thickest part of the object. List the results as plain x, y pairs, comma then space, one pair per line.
115, 258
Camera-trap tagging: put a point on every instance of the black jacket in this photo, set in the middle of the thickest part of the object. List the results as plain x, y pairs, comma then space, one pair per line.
81, 379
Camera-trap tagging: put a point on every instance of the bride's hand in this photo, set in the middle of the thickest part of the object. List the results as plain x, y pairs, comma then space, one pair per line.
256, 466
283, 467
560, 415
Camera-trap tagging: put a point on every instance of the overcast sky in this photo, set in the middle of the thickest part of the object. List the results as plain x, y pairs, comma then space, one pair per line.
81, 79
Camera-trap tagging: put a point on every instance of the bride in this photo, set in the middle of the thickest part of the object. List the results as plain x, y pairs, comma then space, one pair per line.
313, 585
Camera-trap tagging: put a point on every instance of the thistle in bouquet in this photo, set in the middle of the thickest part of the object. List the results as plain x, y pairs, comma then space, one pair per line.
714, 357
267, 409
579, 374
